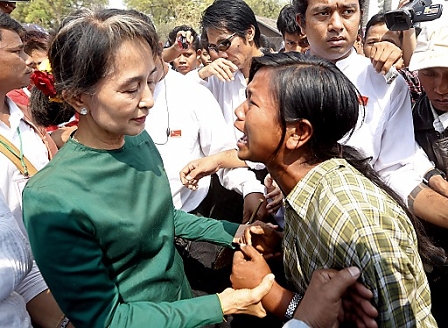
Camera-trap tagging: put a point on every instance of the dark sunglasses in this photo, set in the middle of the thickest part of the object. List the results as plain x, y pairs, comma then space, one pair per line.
223, 45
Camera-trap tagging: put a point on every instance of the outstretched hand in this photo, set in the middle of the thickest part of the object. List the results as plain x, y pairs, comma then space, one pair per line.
197, 169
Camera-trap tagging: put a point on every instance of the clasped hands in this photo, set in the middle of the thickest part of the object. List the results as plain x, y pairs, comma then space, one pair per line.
332, 296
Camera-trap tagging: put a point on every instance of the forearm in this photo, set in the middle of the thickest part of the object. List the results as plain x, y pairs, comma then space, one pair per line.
277, 300
44, 311
169, 54
228, 159
408, 46
429, 205
439, 184
193, 227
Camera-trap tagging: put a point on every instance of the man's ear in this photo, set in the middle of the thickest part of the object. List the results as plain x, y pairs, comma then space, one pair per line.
298, 134
301, 22
250, 34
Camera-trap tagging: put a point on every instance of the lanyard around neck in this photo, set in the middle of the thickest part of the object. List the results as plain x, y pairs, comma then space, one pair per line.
20, 155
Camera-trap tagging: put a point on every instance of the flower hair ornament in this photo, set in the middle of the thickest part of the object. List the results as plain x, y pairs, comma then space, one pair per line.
44, 81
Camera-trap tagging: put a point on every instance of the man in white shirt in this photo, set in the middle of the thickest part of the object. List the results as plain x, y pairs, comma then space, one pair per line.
233, 35
386, 134
186, 124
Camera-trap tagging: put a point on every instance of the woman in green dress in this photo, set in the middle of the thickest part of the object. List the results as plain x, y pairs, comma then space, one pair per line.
100, 217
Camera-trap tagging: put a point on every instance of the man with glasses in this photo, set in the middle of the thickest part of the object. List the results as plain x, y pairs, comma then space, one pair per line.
233, 35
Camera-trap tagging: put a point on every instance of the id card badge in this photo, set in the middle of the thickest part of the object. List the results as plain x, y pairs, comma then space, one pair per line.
20, 182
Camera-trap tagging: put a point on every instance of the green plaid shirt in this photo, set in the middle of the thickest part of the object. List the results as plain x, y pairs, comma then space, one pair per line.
335, 217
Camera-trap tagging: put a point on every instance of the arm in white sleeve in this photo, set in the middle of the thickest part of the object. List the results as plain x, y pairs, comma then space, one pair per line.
395, 163
15, 253
241, 180
194, 76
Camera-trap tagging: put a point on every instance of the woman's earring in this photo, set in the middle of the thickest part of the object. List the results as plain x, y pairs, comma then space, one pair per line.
83, 111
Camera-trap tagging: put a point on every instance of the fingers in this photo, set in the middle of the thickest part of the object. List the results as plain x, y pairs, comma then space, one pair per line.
248, 236
263, 288
385, 54
268, 181
362, 290
250, 252
338, 285
223, 69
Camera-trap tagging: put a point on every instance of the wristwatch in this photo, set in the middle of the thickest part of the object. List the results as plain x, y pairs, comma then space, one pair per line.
435, 171
292, 306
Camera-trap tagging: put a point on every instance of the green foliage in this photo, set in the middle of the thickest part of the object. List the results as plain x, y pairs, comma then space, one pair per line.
49, 13
167, 14
265, 8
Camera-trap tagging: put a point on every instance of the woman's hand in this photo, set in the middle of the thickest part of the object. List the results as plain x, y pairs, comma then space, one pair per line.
264, 238
197, 169
274, 194
246, 301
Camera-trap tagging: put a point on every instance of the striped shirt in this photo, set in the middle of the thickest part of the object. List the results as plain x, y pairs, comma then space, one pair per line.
336, 217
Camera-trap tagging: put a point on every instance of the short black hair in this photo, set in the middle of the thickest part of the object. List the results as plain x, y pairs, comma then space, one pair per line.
302, 5
378, 19
235, 16
286, 21
10, 24
172, 35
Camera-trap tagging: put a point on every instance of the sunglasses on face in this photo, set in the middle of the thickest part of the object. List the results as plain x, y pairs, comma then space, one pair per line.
223, 45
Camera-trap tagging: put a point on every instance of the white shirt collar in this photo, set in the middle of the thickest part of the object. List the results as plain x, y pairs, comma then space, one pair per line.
15, 114
440, 121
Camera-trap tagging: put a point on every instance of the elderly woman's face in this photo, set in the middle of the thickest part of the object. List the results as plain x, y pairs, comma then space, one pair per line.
123, 98
258, 119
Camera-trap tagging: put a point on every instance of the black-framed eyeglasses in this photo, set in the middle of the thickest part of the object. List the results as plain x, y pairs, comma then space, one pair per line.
223, 45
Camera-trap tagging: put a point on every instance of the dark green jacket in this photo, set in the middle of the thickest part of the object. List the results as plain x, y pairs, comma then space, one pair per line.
101, 225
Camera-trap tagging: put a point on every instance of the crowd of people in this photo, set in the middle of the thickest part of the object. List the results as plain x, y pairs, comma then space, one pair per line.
211, 181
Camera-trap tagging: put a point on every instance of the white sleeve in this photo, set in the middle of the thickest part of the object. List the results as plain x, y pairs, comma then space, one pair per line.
13, 312
241, 180
294, 323
395, 162
422, 164
32, 285
15, 252
194, 76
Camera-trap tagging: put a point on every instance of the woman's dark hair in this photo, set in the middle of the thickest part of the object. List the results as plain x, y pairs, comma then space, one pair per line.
234, 16
81, 54
307, 87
